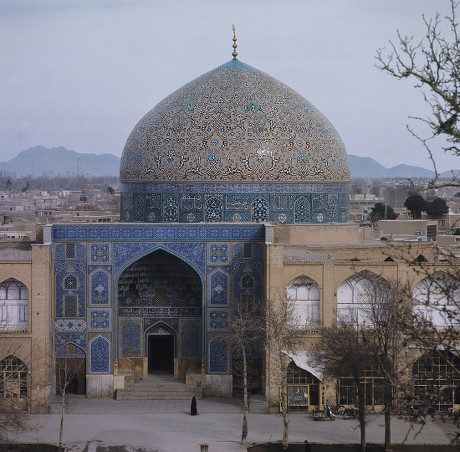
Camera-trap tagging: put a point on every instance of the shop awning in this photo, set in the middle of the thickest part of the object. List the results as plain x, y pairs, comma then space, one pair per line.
306, 360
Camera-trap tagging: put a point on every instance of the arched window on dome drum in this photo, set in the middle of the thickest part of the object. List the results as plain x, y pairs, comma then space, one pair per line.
302, 210
356, 294
170, 210
213, 210
437, 300
304, 295
259, 209
14, 305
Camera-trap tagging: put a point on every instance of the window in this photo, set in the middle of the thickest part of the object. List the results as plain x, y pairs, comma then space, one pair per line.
70, 251
247, 249
70, 306
13, 378
14, 300
70, 282
304, 295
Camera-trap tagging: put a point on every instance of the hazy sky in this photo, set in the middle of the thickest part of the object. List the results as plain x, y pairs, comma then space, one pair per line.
81, 73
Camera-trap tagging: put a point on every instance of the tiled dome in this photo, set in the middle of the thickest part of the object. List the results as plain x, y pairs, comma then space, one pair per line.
234, 123
234, 145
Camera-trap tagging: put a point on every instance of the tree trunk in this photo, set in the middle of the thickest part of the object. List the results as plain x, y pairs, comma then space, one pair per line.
244, 433
61, 427
361, 413
285, 431
388, 402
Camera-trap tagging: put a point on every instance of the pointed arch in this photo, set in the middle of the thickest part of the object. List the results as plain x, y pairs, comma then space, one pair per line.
99, 355
304, 294
356, 293
13, 378
14, 305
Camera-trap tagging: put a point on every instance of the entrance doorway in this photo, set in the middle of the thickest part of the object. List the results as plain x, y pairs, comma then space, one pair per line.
161, 353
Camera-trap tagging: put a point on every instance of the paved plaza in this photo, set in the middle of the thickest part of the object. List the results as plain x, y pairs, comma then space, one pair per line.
102, 425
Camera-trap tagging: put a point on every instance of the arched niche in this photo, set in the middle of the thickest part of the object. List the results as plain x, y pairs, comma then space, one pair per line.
303, 295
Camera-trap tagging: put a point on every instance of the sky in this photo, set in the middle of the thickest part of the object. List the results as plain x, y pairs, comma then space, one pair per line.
82, 73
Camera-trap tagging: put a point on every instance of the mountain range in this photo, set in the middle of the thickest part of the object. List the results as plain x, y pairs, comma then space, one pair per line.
59, 161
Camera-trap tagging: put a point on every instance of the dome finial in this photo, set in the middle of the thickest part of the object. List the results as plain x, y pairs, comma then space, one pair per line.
234, 53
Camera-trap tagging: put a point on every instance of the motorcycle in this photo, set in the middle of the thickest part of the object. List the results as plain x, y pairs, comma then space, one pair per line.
323, 415
349, 413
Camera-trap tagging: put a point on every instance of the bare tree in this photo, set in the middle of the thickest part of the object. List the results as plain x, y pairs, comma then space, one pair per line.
15, 391
383, 314
67, 370
344, 352
282, 333
245, 334
433, 63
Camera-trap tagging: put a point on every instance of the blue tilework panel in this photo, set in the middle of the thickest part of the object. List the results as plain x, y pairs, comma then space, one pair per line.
61, 339
217, 319
219, 287
59, 251
171, 322
80, 251
218, 253
251, 207
99, 287
218, 356
99, 319
69, 325
155, 233
99, 350
100, 253
190, 339
131, 338
70, 282
194, 253
247, 280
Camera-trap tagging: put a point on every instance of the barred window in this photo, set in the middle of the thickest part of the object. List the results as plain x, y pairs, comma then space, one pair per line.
13, 378
70, 251
70, 282
70, 306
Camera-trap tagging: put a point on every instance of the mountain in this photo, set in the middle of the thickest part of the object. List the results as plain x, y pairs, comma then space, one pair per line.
369, 168
38, 161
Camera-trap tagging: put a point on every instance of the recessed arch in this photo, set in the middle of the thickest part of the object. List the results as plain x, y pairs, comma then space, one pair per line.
304, 294
356, 293
14, 305
156, 284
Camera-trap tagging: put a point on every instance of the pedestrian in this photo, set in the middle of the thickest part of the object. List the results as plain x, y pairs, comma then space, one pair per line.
307, 446
193, 410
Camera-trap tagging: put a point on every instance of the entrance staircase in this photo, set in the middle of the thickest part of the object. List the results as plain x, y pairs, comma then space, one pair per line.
159, 387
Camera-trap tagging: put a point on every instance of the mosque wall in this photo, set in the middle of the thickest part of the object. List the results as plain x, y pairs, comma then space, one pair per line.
107, 321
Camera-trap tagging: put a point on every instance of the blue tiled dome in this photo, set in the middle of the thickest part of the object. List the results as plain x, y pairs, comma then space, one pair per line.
232, 131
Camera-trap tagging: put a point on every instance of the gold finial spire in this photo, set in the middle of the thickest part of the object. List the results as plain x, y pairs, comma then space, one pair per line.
234, 53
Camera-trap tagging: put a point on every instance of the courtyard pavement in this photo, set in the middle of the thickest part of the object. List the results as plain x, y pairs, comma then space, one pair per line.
103, 425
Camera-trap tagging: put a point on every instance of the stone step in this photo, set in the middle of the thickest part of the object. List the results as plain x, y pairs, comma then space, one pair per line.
158, 388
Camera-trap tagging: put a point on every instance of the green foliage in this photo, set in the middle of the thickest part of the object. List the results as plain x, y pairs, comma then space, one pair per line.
382, 212
416, 205
437, 207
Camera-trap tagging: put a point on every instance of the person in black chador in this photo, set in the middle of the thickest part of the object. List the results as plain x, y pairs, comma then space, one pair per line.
193, 410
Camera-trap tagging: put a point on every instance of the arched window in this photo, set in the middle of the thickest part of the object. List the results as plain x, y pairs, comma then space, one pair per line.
304, 294
13, 378
437, 299
356, 295
14, 301
70, 282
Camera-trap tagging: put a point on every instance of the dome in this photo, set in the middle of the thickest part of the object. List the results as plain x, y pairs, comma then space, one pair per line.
234, 123
233, 131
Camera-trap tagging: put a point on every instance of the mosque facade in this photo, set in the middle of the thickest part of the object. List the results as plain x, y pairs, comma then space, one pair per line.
234, 186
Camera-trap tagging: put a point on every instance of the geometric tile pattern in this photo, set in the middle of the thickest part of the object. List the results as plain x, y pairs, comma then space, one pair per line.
63, 291
99, 355
218, 253
69, 325
100, 253
61, 339
217, 319
131, 339
218, 356
190, 344
99, 319
218, 282
99, 287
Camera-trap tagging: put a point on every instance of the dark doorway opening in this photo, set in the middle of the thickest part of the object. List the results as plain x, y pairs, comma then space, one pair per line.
161, 353
71, 376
